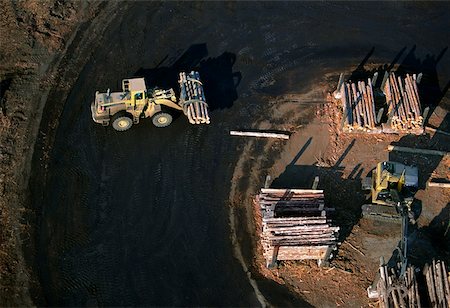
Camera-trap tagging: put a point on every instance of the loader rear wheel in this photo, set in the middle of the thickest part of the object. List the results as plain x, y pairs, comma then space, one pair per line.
121, 121
162, 119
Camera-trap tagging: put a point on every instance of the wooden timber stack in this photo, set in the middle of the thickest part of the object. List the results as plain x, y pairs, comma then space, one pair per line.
437, 279
192, 98
359, 106
395, 291
403, 103
295, 225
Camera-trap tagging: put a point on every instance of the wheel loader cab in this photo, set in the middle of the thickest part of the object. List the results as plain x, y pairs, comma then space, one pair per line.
392, 176
137, 89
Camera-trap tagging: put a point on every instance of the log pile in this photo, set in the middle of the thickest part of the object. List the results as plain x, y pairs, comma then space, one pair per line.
398, 291
192, 98
395, 290
403, 103
295, 225
359, 106
437, 279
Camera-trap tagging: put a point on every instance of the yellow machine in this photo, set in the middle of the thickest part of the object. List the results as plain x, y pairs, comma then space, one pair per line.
136, 101
391, 186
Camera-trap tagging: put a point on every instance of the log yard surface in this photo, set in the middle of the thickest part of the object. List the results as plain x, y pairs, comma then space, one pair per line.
167, 216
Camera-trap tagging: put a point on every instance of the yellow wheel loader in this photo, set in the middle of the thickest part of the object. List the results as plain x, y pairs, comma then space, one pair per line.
392, 186
123, 109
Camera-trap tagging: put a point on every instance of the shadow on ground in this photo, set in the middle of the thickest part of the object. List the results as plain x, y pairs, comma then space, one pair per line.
219, 80
344, 194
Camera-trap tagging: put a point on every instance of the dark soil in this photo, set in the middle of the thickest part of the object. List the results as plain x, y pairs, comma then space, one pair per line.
142, 217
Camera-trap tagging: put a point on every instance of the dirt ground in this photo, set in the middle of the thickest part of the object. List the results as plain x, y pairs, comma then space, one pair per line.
341, 161
34, 37
165, 218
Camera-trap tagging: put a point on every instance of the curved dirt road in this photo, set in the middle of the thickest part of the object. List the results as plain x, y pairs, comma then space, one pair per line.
141, 217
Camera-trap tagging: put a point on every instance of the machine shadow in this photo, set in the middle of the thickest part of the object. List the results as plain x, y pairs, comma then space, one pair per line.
219, 80
342, 193
428, 242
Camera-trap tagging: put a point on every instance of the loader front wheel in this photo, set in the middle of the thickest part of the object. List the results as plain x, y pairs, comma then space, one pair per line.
121, 122
162, 119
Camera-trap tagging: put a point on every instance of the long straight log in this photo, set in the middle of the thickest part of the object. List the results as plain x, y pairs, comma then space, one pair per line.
394, 94
348, 105
356, 101
411, 94
371, 103
446, 276
290, 190
288, 194
417, 295
351, 104
362, 92
430, 284
366, 89
398, 103
416, 91
416, 151
438, 184
439, 283
259, 134
409, 286
304, 201
323, 228
344, 103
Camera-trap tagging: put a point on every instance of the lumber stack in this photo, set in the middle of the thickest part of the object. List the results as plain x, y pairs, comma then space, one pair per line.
358, 105
403, 103
395, 290
437, 279
295, 225
192, 98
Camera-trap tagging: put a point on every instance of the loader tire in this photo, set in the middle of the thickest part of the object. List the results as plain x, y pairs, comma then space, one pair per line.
121, 121
162, 119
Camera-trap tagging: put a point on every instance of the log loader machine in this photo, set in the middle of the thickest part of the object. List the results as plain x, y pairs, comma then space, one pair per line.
136, 101
391, 184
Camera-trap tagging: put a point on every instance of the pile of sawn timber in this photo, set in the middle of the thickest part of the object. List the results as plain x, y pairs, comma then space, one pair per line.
295, 225
403, 103
359, 106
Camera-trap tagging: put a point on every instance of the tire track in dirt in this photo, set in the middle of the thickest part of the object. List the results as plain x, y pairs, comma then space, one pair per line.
153, 203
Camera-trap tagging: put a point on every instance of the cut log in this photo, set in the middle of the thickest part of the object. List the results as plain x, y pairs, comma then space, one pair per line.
438, 184
416, 151
259, 134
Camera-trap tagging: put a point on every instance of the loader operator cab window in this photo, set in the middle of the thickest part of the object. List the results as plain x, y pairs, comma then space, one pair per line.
389, 167
138, 96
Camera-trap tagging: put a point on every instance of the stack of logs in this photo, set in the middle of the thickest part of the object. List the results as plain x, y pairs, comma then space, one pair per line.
192, 98
403, 291
437, 279
295, 225
403, 102
397, 291
359, 106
